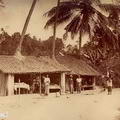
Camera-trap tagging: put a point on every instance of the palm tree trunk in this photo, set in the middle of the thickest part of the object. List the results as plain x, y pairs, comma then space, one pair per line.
80, 42
26, 26
54, 30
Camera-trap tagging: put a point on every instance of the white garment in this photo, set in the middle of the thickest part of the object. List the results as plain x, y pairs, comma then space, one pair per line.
79, 80
109, 83
47, 81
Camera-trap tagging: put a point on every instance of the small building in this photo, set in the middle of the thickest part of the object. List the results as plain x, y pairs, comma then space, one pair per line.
79, 67
14, 70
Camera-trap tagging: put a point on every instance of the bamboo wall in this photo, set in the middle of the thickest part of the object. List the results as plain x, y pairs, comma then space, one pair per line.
6, 84
3, 84
10, 84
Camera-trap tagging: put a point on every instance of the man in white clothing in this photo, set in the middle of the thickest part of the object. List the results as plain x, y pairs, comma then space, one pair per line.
79, 84
47, 84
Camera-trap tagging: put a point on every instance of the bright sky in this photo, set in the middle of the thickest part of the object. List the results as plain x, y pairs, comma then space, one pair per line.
13, 16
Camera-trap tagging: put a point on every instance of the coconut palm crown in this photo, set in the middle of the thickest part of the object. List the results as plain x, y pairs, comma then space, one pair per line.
82, 17
114, 13
114, 20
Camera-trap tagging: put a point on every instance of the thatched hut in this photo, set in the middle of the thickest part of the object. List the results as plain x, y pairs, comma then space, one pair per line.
79, 67
12, 68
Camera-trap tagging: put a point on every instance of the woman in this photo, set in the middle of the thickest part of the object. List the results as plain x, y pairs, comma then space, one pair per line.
79, 84
47, 83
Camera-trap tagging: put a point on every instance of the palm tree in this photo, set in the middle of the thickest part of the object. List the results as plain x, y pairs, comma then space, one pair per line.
18, 51
54, 30
114, 12
114, 21
83, 17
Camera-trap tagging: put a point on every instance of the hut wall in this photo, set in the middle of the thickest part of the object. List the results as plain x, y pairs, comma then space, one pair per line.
3, 84
10, 84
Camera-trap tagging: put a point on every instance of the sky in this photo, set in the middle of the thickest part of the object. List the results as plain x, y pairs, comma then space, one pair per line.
13, 16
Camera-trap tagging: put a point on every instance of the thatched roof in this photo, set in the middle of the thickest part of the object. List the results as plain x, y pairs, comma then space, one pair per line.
77, 66
29, 64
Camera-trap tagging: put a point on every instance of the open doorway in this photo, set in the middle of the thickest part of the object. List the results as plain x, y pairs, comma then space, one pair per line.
55, 79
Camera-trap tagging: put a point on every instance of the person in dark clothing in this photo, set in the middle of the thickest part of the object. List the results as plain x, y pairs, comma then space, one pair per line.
104, 82
109, 86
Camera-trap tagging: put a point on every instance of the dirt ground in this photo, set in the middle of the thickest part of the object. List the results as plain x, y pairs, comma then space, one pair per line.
90, 105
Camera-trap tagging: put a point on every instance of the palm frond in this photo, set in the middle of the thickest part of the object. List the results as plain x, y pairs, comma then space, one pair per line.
101, 17
96, 2
61, 18
64, 13
63, 7
113, 18
92, 26
106, 33
110, 7
74, 25
79, 23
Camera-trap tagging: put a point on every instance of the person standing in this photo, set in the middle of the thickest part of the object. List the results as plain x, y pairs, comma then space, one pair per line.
38, 79
104, 84
33, 87
47, 84
109, 86
71, 84
79, 84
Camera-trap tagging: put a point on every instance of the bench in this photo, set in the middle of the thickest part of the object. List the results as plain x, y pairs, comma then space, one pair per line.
88, 87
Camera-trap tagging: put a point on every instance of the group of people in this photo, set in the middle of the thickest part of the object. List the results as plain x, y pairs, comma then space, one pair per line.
46, 84
78, 85
107, 84
36, 86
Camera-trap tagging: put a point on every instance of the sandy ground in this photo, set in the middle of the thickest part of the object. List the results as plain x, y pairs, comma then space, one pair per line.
85, 106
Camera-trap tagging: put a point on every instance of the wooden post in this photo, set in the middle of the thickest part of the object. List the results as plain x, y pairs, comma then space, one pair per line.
40, 84
94, 82
19, 86
10, 84
63, 83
